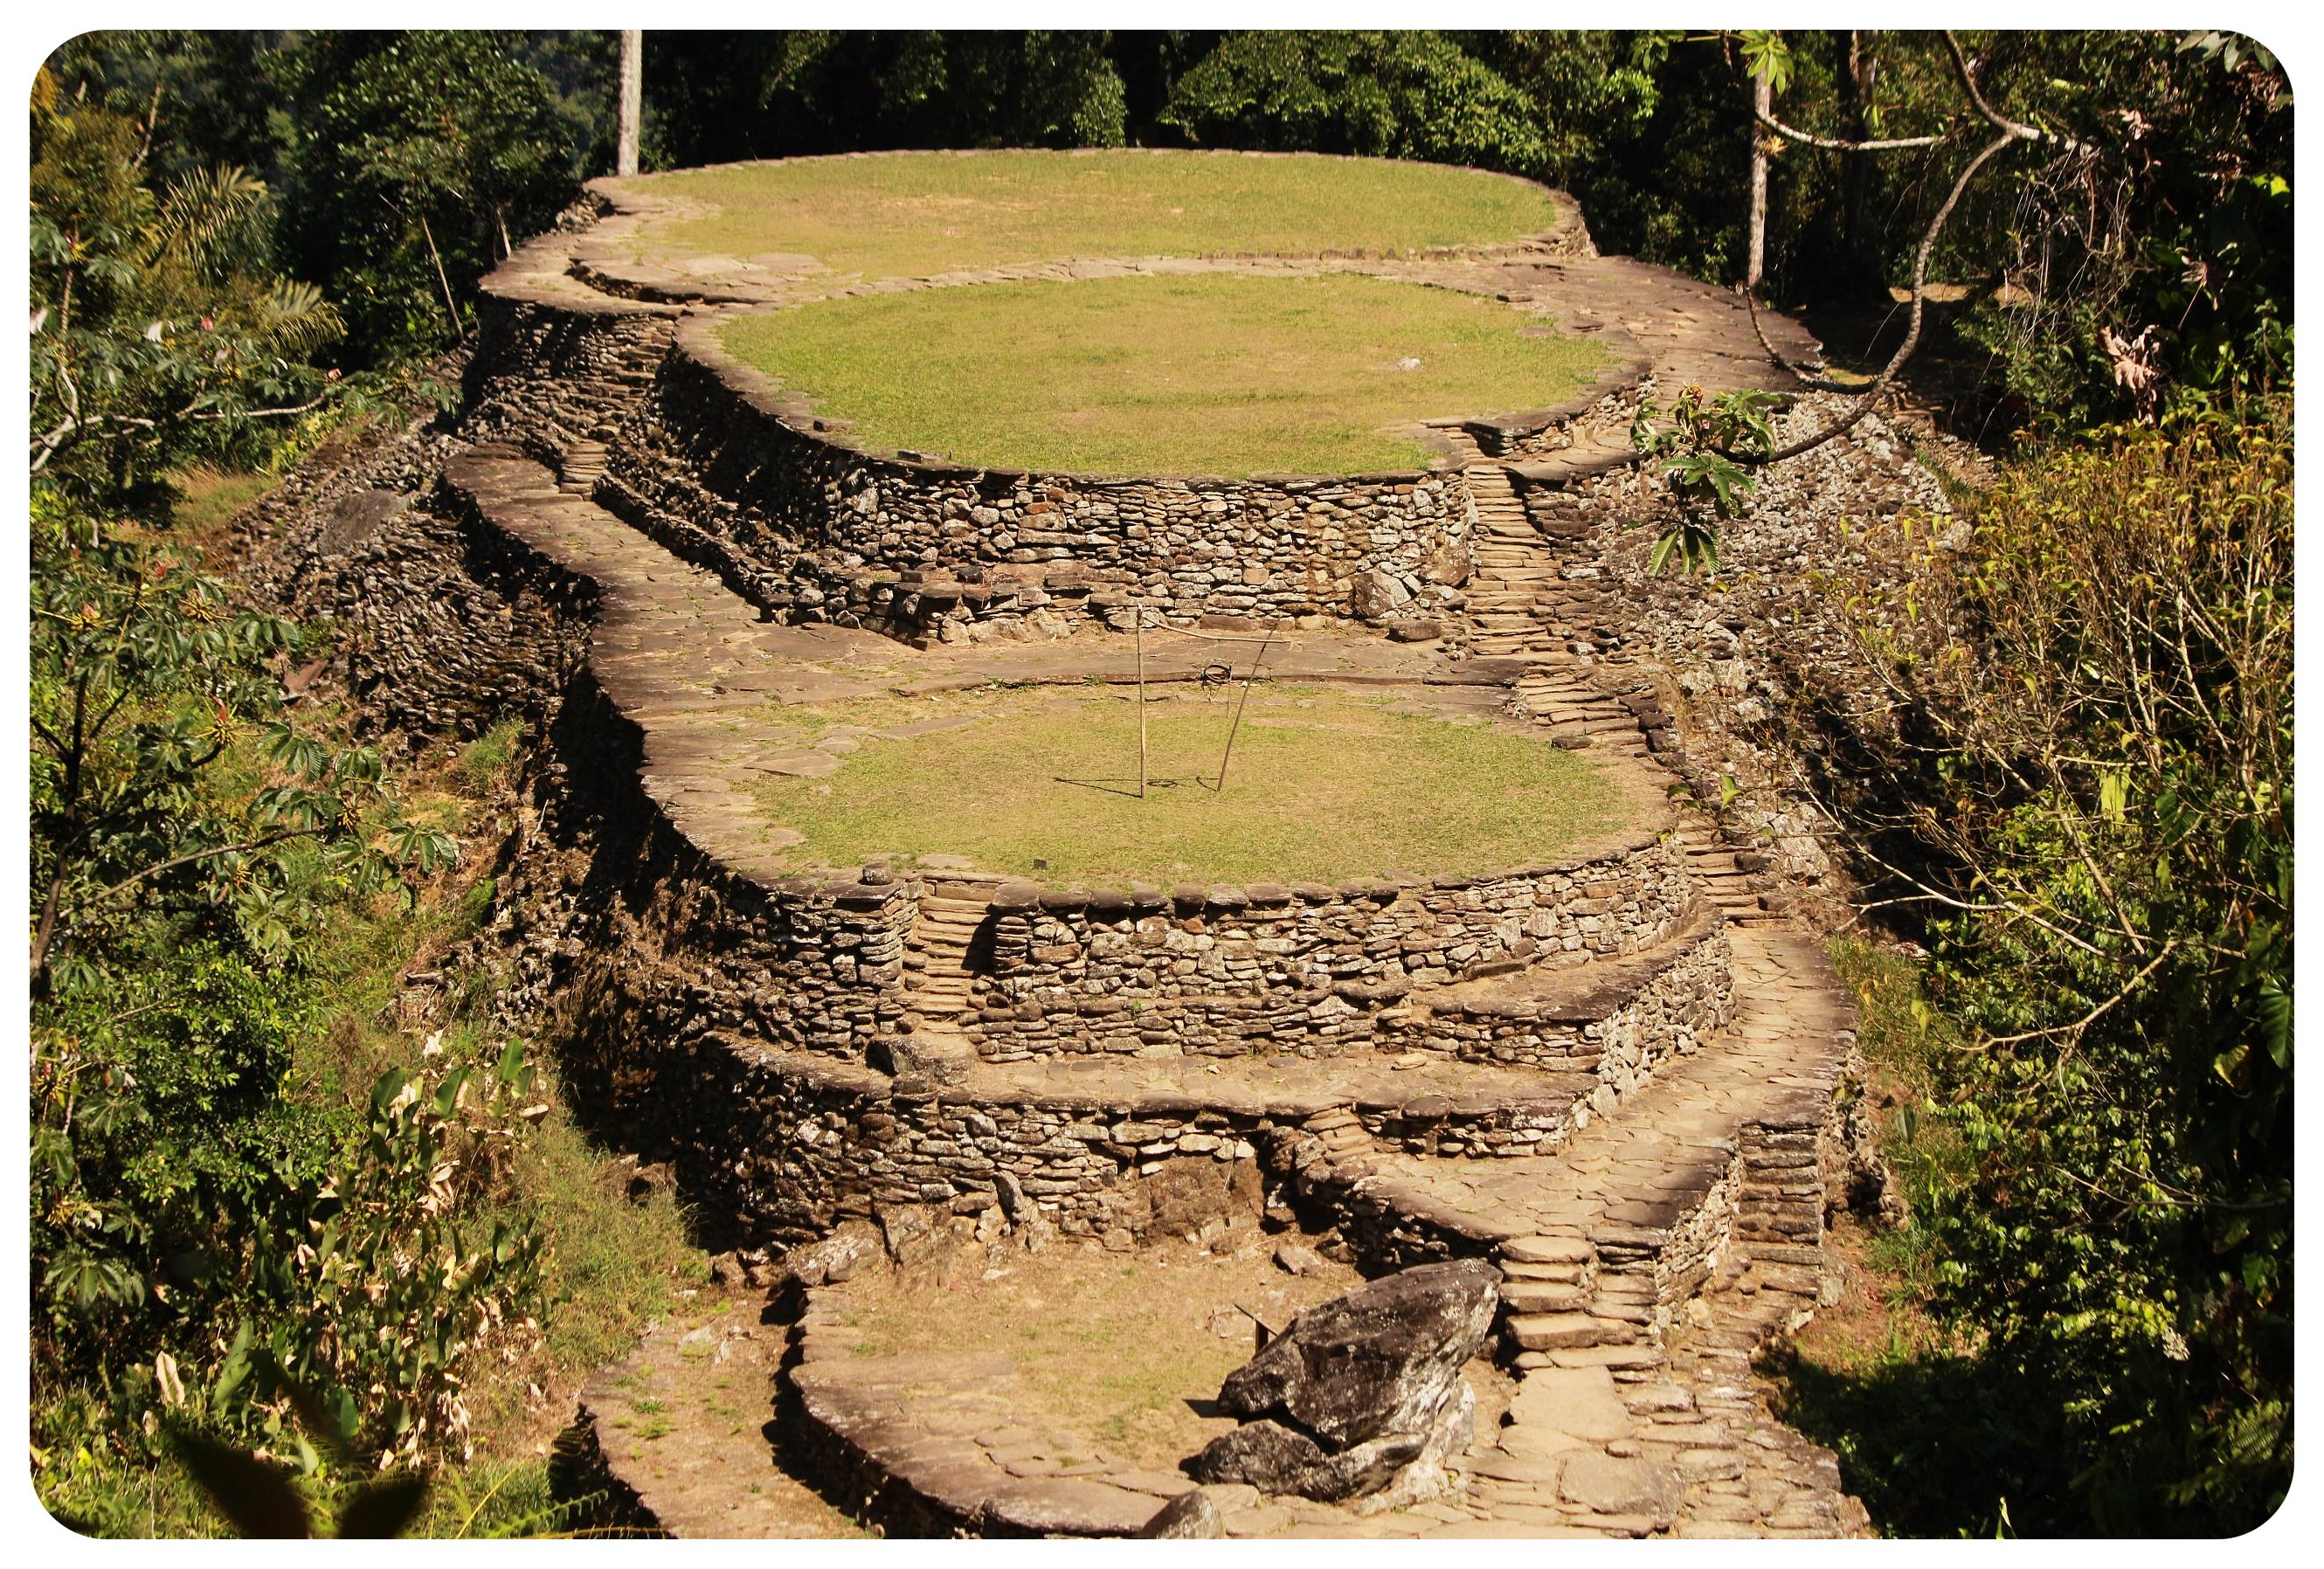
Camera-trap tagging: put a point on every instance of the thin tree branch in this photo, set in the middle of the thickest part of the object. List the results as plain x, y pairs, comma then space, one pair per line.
175, 861
1813, 383
1835, 145
2015, 129
2095, 1014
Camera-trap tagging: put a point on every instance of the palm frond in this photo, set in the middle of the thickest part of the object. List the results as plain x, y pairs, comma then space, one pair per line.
293, 319
211, 221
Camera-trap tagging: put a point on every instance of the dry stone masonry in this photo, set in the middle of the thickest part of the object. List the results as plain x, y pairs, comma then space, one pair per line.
1599, 1091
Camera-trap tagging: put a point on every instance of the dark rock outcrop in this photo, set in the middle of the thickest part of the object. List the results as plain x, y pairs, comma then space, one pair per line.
1362, 1395
1191, 1515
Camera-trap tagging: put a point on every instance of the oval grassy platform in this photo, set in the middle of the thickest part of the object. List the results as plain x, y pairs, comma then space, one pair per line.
1323, 784
906, 214
1220, 374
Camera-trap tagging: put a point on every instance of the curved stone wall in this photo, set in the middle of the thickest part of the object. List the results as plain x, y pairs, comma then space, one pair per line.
741, 1027
769, 1073
736, 475
1206, 971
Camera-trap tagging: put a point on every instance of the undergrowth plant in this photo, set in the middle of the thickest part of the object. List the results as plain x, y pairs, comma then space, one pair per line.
1702, 455
2085, 793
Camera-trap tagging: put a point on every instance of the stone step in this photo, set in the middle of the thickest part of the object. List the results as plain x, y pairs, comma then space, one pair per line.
1559, 1274
1543, 1296
1548, 1249
1567, 1331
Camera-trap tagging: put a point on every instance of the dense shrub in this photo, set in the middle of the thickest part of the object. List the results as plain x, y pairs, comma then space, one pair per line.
2087, 789
1381, 94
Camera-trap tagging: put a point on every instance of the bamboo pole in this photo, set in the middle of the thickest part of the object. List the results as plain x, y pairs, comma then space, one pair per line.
1141, 701
1242, 702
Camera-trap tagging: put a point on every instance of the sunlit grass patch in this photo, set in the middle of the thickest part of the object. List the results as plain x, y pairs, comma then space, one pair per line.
1322, 784
910, 214
1217, 373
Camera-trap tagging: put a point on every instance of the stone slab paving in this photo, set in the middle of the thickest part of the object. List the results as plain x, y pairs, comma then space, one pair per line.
678, 1425
1624, 1437
1624, 1424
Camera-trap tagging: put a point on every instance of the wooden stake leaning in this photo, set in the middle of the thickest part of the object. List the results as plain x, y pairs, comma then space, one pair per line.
1236, 728
1141, 700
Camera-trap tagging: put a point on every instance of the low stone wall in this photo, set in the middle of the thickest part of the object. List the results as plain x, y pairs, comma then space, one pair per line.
1617, 1031
1207, 971
783, 1146
736, 475
546, 375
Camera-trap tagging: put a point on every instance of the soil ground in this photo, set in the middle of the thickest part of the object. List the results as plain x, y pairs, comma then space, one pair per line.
1124, 1350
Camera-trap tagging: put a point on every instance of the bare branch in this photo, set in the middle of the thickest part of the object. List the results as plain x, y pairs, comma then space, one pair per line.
1870, 394
2016, 129
1813, 383
1835, 145
2095, 1014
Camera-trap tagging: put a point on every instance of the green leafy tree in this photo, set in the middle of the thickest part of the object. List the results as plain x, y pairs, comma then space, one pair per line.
187, 841
2137, 258
1395, 94
159, 333
2089, 790
418, 157
720, 96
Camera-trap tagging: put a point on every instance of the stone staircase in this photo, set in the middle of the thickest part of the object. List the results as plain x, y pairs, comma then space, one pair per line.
1718, 873
940, 978
1644, 1262
1558, 694
1513, 561
580, 466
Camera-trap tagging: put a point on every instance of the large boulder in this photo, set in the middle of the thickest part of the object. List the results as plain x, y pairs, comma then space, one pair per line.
1363, 1393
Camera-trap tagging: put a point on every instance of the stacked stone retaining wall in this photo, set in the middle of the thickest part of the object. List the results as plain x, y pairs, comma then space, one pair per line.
547, 375
1306, 968
1617, 1031
735, 474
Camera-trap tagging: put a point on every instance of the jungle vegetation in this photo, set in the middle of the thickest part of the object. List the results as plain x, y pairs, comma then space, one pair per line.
244, 244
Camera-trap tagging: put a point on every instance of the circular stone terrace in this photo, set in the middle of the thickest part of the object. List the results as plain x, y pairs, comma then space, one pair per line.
1092, 604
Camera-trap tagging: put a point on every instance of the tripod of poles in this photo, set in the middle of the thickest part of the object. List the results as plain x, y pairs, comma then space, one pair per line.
1218, 784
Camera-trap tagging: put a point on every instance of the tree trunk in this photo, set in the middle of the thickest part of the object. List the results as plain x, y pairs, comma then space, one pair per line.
1763, 102
625, 147
1855, 171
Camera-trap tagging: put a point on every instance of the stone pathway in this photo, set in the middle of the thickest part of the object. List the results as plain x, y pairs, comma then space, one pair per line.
1610, 1433
1593, 1237
680, 1427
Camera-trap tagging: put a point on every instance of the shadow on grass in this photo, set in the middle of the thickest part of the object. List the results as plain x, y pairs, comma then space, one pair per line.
1115, 785
1936, 1443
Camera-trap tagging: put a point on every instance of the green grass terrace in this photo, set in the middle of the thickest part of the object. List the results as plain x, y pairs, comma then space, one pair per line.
1219, 374
1323, 784
912, 214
